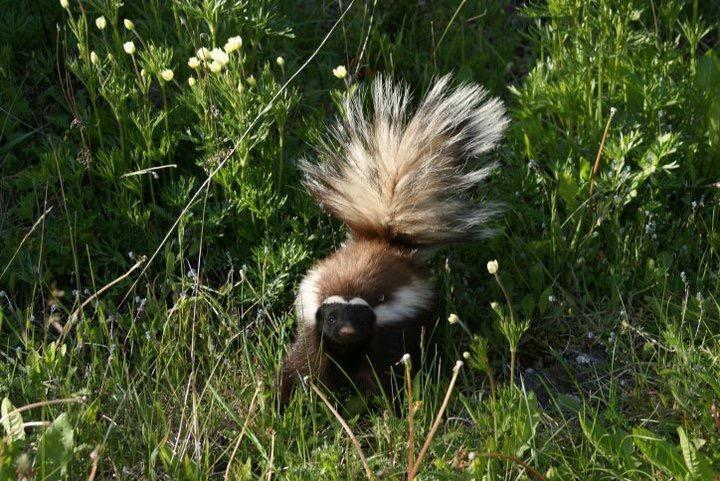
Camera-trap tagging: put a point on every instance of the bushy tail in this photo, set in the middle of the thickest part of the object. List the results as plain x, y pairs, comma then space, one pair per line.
406, 178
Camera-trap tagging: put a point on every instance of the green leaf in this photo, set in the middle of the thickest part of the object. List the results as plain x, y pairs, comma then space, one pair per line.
12, 423
697, 464
55, 450
660, 453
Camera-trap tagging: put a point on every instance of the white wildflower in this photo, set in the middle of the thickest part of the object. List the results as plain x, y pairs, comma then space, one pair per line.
194, 62
493, 267
233, 43
340, 71
219, 55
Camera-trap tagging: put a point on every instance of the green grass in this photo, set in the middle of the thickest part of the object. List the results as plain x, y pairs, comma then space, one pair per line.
169, 373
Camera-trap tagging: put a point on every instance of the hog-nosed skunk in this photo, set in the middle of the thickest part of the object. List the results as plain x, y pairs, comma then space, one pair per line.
400, 184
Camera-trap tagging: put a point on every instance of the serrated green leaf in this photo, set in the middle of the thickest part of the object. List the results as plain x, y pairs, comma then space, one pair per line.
660, 453
697, 464
12, 423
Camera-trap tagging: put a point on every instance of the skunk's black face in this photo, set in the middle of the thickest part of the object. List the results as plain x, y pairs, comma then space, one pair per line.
345, 322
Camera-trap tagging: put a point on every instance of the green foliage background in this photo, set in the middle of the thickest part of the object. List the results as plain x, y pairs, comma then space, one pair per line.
98, 160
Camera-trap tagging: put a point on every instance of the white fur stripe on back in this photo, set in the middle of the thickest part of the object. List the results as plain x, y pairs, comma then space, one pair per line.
307, 302
406, 302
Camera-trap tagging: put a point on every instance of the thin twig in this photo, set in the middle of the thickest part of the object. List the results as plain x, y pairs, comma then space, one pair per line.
74, 315
436, 424
95, 456
38, 404
596, 166
148, 171
347, 429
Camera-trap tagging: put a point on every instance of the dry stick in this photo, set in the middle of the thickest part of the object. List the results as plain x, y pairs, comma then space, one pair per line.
436, 424
95, 456
529, 469
596, 166
74, 315
32, 229
222, 163
226, 477
347, 429
38, 404
411, 414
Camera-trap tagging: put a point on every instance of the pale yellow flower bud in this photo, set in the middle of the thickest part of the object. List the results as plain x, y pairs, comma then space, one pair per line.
466, 355
191, 81
65, 4
453, 319
194, 62
215, 66
167, 74
251, 81
233, 43
219, 56
340, 71
129, 47
100, 22
280, 61
493, 267
203, 53
94, 58
128, 24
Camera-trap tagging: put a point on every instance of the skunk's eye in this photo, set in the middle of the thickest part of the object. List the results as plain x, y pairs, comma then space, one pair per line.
331, 319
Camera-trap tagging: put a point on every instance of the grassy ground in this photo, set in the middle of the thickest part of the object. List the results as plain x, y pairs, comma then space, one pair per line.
187, 195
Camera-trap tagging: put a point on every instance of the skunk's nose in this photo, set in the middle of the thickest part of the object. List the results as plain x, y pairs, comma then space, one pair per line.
346, 331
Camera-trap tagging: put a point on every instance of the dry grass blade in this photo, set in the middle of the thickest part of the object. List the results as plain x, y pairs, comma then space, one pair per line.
226, 477
436, 423
22, 242
347, 429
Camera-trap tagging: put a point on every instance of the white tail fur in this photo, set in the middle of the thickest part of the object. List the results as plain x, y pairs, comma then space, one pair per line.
405, 179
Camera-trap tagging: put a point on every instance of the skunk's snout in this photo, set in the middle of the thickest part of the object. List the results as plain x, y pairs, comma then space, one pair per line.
347, 331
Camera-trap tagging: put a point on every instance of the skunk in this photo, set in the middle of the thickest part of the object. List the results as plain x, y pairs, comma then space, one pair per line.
400, 184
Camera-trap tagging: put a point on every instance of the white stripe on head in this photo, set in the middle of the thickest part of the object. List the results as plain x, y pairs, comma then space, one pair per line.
406, 302
335, 300
359, 301
306, 303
